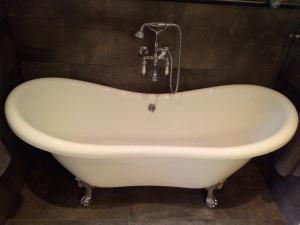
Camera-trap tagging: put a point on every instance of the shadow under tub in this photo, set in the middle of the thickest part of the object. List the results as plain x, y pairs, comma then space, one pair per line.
51, 191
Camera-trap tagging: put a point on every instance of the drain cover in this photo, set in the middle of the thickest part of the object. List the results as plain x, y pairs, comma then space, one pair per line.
151, 107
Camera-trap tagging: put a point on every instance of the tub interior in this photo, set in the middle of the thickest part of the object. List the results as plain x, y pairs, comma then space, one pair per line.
214, 117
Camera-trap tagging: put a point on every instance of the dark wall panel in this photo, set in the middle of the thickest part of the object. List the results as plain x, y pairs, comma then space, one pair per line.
93, 40
286, 190
10, 75
291, 69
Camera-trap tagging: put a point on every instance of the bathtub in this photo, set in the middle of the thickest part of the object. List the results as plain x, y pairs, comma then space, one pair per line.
108, 137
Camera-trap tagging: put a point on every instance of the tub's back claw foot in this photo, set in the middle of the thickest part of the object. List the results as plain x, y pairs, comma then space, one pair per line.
211, 201
87, 199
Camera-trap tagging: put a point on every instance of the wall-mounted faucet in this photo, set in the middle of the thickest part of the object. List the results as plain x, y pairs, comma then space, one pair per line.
160, 53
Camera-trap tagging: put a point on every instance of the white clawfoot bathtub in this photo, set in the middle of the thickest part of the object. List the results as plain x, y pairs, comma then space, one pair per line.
109, 138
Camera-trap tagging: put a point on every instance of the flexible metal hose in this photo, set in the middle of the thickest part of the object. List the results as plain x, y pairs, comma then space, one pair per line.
179, 62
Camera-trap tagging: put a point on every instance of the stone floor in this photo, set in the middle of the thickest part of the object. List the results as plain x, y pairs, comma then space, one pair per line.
50, 197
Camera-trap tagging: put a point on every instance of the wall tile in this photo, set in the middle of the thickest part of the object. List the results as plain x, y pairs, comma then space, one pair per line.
99, 45
8, 61
10, 76
291, 69
37, 38
7, 83
13, 79
3, 125
102, 32
33, 7
32, 70
122, 77
2, 12
3, 28
8, 56
243, 45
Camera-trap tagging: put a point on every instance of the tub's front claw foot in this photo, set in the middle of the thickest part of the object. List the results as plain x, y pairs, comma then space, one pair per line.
87, 199
211, 201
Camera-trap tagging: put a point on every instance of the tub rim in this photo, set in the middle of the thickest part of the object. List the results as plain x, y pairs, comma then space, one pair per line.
55, 145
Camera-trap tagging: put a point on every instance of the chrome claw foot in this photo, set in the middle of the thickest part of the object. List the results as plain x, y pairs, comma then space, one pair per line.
211, 201
86, 201
87, 198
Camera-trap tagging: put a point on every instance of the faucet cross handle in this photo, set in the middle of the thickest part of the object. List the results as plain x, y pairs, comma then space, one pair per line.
163, 52
143, 50
162, 55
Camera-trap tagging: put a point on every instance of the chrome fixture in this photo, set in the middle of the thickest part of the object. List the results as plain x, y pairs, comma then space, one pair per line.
211, 201
160, 53
87, 198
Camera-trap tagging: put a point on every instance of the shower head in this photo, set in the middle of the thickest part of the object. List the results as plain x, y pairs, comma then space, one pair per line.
139, 34
155, 27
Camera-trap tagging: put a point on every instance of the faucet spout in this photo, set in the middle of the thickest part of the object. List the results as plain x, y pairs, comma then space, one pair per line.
156, 27
139, 34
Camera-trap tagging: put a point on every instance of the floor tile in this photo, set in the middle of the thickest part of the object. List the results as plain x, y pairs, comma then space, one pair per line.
68, 222
32, 196
50, 196
171, 221
158, 202
250, 222
62, 201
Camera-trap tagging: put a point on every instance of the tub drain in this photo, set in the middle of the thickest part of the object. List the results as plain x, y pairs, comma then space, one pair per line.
151, 107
